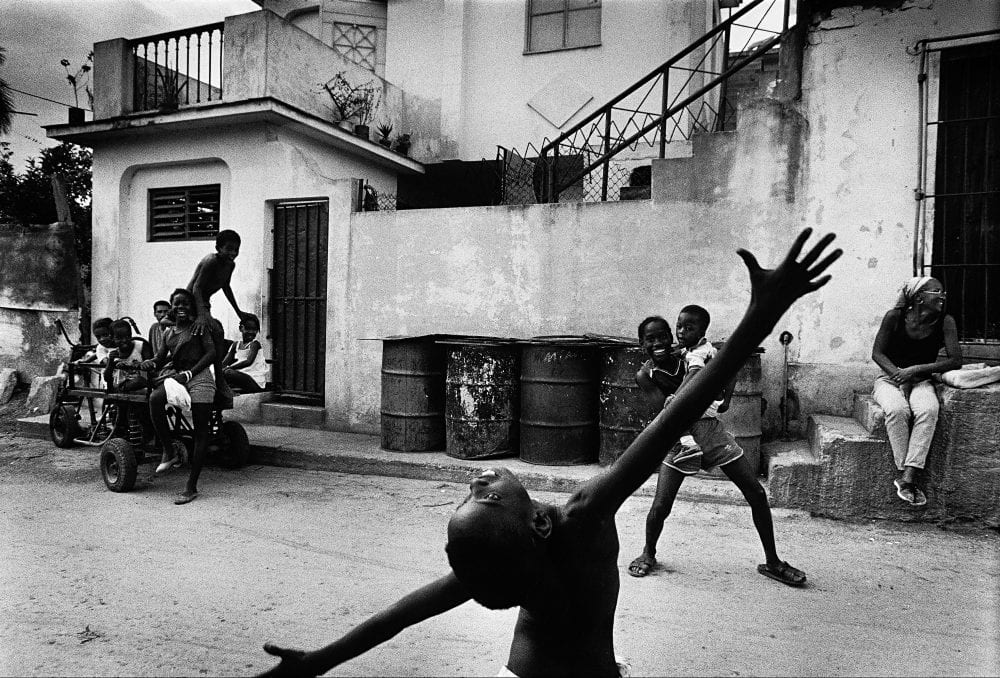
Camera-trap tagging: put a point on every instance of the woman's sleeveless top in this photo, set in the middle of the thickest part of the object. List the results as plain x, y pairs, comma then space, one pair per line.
905, 351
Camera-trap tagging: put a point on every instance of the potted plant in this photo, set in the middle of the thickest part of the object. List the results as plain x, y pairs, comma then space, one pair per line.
365, 101
171, 88
385, 134
402, 144
77, 81
342, 95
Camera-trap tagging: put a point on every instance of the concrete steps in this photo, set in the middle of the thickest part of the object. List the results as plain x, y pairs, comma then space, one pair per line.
843, 469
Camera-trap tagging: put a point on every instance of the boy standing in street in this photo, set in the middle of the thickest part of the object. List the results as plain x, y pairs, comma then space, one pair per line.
716, 447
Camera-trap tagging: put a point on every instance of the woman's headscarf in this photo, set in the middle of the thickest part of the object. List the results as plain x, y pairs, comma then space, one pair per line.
910, 290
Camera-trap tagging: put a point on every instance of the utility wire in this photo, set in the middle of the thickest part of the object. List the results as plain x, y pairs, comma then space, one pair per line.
53, 101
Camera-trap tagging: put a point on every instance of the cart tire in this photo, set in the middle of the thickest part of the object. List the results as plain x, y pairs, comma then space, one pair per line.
118, 465
234, 446
63, 428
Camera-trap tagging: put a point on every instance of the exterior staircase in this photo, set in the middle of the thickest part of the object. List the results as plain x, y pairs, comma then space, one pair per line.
844, 468
693, 93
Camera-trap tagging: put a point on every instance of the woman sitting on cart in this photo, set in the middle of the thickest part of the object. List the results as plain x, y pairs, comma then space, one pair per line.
191, 356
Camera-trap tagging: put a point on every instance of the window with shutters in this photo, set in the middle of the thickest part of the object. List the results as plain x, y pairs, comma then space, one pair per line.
184, 213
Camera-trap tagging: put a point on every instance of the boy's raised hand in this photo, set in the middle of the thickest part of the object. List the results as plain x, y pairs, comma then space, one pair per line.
793, 278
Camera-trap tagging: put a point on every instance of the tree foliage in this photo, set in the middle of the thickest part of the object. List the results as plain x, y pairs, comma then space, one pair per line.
26, 199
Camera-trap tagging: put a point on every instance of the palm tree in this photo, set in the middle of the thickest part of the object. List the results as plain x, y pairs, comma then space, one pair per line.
6, 101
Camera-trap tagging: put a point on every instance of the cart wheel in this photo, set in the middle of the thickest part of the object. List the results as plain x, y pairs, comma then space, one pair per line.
234, 445
63, 427
118, 465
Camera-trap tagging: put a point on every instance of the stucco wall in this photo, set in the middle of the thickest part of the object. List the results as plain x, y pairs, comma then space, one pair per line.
548, 269
860, 102
470, 56
265, 55
254, 163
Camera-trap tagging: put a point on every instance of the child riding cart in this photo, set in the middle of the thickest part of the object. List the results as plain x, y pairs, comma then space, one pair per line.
117, 422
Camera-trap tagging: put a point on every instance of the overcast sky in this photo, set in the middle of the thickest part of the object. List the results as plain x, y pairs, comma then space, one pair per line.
37, 34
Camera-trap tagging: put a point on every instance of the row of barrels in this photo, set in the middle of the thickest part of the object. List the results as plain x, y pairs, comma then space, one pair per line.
548, 400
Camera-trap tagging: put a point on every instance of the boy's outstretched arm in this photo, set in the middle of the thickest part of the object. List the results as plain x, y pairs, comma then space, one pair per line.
428, 601
242, 315
772, 292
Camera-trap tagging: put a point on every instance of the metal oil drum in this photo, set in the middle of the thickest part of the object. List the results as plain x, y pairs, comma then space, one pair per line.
743, 418
413, 373
481, 399
623, 409
559, 402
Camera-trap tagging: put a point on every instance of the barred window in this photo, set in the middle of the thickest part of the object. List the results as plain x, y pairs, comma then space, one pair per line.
562, 24
184, 213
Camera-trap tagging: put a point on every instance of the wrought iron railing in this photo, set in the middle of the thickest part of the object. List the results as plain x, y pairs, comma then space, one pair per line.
177, 68
684, 96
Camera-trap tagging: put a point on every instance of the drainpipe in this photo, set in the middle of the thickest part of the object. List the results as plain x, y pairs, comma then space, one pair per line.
790, 56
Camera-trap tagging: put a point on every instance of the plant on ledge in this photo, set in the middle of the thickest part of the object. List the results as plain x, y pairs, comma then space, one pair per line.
385, 134
171, 88
352, 102
79, 80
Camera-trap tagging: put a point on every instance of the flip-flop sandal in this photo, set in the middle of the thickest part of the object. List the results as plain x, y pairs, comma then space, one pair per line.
640, 567
919, 498
905, 491
167, 465
784, 574
186, 498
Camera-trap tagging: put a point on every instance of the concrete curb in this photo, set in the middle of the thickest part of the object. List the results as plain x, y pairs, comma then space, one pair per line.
320, 450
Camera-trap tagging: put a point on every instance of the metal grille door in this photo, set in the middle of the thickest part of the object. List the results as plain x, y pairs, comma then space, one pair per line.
965, 200
298, 299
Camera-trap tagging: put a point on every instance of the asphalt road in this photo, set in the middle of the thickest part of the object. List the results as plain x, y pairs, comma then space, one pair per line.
94, 583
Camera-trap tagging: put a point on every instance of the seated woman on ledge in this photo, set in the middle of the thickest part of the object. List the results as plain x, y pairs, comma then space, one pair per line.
906, 348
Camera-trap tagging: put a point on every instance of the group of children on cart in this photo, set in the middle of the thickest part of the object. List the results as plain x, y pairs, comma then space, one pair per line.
186, 351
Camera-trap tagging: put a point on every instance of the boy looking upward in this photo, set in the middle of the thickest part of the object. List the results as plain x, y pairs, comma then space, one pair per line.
212, 274
717, 448
559, 563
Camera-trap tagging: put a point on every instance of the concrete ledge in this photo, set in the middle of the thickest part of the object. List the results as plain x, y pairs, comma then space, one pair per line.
291, 415
34, 427
870, 415
361, 454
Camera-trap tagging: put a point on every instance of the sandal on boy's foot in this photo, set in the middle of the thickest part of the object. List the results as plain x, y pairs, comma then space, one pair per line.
167, 465
904, 491
641, 566
783, 572
185, 498
919, 498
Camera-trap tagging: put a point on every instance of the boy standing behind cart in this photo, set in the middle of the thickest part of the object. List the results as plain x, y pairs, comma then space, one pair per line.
213, 274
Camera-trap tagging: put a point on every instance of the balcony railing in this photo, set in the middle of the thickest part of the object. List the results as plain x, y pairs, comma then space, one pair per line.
178, 68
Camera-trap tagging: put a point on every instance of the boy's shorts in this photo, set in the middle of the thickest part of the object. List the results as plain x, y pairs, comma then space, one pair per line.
717, 448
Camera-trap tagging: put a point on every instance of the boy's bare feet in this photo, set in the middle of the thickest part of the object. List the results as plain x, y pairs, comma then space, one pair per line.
185, 498
642, 565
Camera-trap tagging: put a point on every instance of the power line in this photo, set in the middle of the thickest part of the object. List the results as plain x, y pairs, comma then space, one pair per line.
53, 101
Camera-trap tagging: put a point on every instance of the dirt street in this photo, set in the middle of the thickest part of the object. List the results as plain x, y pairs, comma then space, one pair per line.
96, 583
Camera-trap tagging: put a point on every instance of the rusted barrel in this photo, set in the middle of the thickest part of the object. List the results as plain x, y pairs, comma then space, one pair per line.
413, 372
559, 402
481, 396
623, 410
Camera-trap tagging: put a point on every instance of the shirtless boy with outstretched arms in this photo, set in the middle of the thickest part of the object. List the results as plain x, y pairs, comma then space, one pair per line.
560, 563
212, 274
